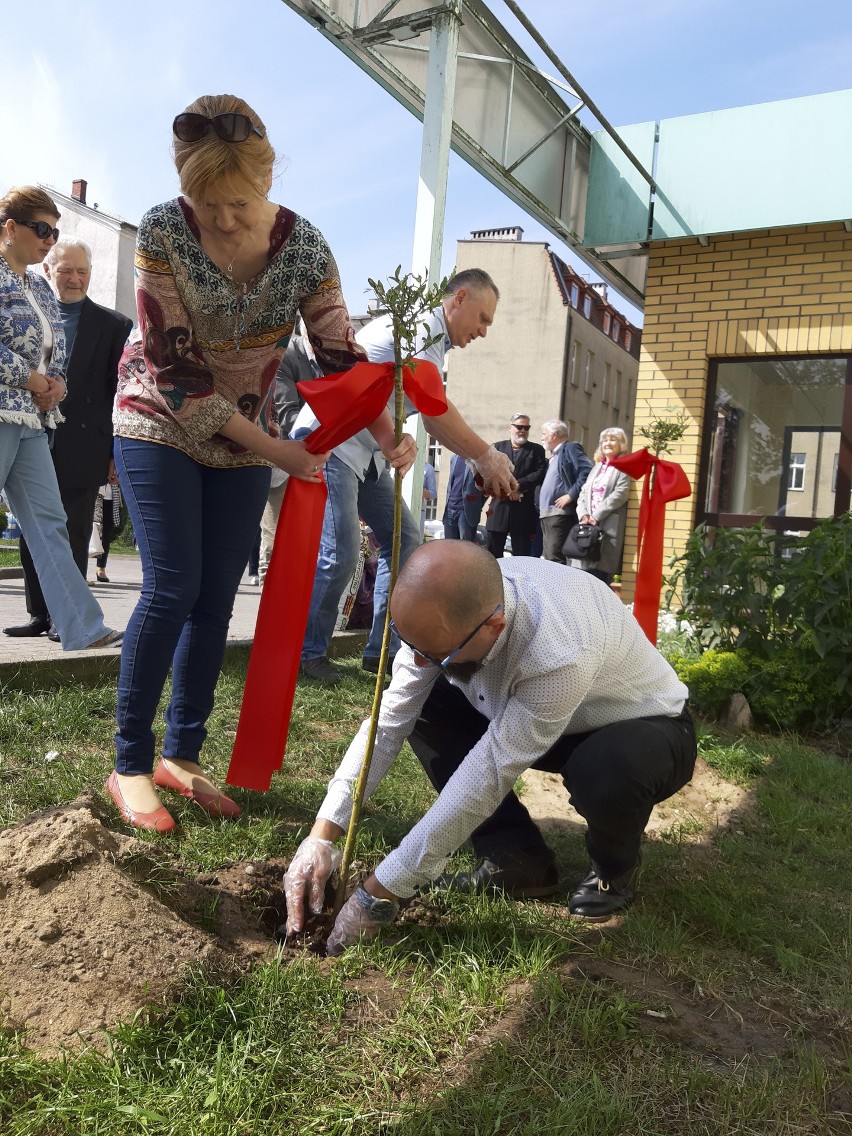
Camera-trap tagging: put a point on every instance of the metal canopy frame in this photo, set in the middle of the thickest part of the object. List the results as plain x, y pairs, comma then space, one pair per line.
512, 122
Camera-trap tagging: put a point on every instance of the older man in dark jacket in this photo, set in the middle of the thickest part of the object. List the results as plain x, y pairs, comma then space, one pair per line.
82, 445
566, 475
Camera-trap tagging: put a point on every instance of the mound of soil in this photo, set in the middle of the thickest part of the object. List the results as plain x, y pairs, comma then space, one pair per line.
95, 926
84, 943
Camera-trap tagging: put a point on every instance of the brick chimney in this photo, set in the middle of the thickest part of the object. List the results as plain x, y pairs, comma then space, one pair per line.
78, 190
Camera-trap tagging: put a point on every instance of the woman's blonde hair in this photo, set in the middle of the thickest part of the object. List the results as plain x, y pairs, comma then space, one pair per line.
211, 160
611, 432
22, 202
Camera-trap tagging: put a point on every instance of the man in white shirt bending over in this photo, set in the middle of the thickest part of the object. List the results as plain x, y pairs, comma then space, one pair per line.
507, 665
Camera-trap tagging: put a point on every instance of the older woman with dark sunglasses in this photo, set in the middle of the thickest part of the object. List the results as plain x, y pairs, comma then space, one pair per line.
32, 362
222, 274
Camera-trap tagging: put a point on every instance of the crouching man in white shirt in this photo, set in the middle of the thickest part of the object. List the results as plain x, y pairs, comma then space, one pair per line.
507, 665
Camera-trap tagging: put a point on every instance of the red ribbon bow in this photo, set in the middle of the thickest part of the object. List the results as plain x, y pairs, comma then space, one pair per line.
670, 484
344, 404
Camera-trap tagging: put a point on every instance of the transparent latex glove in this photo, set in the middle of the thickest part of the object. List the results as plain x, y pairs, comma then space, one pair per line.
310, 870
495, 469
361, 917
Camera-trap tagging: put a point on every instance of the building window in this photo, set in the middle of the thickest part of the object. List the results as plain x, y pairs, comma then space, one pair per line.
796, 472
628, 340
589, 372
583, 436
575, 354
607, 382
616, 330
628, 399
607, 321
587, 306
616, 391
775, 438
575, 296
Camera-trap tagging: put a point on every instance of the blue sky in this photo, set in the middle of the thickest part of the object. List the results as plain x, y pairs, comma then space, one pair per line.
90, 89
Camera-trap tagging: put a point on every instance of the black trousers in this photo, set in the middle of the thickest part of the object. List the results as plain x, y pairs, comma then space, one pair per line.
614, 776
521, 528
554, 530
79, 506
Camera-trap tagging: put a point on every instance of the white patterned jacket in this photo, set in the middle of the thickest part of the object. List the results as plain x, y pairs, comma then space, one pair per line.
21, 343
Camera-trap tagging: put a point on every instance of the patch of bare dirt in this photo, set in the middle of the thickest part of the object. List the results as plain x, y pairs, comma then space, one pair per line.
84, 943
96, 926
705, 805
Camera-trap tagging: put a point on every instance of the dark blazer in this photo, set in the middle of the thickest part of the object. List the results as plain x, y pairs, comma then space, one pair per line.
530, 468
82, 445
574, 467
472, 496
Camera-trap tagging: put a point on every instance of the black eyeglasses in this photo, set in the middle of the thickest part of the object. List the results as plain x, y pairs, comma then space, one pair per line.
189, 127
41, 228
445, 662
519, 426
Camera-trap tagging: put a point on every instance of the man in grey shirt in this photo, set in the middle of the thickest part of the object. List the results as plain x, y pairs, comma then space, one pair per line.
507, 665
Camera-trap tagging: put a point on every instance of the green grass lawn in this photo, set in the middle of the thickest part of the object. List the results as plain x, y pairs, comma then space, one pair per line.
720, 1005
9, 555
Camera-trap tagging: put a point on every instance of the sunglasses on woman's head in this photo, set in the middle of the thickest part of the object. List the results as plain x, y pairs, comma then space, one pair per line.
189, 127
41, 229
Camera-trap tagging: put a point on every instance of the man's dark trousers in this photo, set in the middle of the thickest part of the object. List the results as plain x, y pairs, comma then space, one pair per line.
614, 776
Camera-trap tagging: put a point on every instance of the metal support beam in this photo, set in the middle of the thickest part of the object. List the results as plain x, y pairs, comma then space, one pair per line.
432, 191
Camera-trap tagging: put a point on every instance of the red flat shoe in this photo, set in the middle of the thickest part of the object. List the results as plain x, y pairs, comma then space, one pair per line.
159, 821
216, 804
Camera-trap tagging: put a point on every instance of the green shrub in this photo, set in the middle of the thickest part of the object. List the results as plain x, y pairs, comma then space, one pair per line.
712, 678
784, 601
778, 689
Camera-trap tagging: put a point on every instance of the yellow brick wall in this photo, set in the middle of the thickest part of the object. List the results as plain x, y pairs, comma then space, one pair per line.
778, 291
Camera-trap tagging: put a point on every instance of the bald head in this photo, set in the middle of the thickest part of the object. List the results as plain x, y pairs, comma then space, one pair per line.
444, 590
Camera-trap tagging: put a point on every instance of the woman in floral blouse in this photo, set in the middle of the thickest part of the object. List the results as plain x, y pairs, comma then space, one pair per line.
32, 384
222, 274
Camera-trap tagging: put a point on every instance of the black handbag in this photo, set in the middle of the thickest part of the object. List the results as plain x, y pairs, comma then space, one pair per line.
583, 542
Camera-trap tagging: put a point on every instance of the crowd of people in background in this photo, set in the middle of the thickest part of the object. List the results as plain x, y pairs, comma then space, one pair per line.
192, 414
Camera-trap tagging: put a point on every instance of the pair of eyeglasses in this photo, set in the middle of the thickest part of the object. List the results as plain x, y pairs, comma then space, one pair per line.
521, 427
189, 127
41, 228
445, 662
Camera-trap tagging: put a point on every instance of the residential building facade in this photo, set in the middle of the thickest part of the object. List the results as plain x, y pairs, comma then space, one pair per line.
557, 349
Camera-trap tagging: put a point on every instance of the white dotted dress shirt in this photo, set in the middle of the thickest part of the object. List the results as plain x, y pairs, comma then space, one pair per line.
571, 658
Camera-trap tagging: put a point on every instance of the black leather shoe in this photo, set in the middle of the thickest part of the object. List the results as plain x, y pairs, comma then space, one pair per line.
53, 634
35, 626
598, 898
517, 874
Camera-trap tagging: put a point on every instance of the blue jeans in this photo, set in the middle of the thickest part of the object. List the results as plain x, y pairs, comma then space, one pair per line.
456, 525
29, 478
348, 499
194, 526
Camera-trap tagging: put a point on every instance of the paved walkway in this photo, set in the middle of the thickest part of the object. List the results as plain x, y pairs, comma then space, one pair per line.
21, 657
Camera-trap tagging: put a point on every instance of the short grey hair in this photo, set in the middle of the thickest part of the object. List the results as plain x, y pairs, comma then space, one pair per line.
67, 243
473, 279
556, 426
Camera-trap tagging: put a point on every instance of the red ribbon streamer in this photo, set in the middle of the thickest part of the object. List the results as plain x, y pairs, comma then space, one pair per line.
670, 483
344, 404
